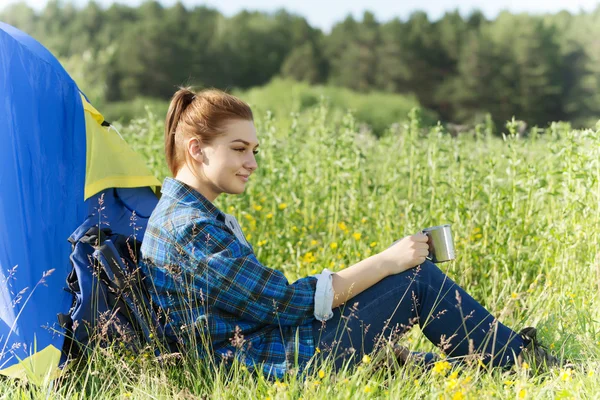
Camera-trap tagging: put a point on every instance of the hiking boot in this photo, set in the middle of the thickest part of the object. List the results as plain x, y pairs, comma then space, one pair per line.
390, 356
537, 356
401, 356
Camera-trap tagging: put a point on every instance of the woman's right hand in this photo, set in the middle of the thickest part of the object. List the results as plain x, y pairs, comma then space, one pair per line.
405, 254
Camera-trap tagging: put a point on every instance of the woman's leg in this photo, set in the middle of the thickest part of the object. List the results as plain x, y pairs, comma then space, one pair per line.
447, 315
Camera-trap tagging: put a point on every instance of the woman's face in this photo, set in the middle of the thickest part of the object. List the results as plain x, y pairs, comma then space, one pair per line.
229, 160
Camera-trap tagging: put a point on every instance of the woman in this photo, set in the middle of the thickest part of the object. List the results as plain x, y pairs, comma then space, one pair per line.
222, 301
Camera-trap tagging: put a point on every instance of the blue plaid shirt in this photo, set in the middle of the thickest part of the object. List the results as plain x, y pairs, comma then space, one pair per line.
216, 294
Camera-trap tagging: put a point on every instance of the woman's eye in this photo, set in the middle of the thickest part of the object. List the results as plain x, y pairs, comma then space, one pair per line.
243, 150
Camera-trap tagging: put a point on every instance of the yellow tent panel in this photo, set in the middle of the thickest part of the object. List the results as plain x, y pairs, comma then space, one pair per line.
38, 368
110, 162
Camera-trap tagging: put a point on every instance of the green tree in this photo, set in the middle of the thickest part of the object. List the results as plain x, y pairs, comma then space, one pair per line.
302, 64
352, 50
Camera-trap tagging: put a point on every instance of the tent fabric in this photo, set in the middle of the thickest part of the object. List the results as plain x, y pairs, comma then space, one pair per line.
43, 187
126, 169
43, 149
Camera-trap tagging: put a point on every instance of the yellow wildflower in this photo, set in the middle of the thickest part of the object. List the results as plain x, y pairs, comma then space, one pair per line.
366, 359
263, 199
333, 245
514, 295
566, 375
417, 383
373, 244
318, 350
441, 367
509, 383
522, 393
356, 235
363, 220
313, 242
282, 206
368, 389
257, 207
309, 257
525, 365
321, 374
342, 226
591, 372
458, 395
269, 215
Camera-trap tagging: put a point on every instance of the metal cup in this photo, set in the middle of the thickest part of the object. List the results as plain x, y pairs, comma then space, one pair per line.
441, 245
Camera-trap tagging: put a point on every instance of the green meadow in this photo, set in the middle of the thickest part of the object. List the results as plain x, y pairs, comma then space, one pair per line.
334, 187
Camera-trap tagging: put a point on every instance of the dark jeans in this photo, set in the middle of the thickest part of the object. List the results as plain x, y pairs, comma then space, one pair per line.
448, 316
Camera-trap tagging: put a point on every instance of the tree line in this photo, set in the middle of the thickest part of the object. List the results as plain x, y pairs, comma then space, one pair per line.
538, 68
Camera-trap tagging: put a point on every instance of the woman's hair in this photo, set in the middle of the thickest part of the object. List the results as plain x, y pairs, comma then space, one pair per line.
201, 115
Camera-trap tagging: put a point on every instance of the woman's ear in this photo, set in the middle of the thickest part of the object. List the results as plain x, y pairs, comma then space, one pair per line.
195, 150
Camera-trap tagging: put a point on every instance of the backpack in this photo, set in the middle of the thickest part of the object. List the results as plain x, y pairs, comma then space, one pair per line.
111, 302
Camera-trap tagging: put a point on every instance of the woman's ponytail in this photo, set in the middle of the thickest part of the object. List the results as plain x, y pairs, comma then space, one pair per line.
179, 103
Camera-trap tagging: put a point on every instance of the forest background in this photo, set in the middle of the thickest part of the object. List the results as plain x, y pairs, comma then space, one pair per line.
459, 69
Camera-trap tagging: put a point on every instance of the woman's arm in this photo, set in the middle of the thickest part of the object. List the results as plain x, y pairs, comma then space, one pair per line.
402, 255
351, 281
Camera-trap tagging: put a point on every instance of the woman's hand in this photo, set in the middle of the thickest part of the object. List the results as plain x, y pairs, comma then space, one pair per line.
405, 253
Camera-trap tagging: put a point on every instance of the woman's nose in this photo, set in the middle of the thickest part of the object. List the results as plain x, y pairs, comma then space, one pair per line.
251, 163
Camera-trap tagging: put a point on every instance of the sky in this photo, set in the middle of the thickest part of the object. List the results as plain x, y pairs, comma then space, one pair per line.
324, 14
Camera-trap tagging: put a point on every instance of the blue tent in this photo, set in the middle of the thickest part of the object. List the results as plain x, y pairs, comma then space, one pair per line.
57, 159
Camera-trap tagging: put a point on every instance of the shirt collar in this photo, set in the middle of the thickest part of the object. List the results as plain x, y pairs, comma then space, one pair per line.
186, 194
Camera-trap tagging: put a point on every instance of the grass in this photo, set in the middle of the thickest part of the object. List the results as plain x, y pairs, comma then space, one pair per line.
525, 213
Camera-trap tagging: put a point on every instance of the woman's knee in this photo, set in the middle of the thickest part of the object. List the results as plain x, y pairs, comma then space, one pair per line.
420, 275
429, 269
424, 272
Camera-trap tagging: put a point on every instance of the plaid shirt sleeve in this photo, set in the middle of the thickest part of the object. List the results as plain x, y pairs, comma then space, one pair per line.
241, 285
